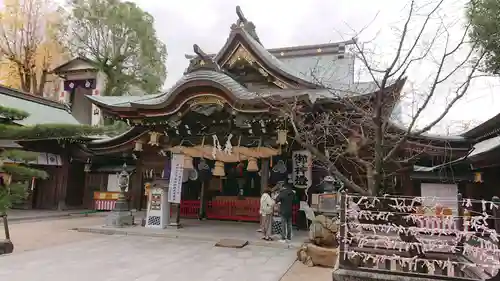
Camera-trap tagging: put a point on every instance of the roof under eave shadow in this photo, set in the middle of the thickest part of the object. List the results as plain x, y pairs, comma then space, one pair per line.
483, 147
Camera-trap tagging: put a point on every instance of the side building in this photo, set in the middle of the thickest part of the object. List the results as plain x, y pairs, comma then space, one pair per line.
64, 186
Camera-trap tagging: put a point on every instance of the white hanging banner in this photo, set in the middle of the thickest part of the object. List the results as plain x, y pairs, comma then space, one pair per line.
302, 169
176, 175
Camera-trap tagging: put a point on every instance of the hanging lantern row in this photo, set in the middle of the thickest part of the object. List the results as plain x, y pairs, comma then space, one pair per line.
154, 138
138, 145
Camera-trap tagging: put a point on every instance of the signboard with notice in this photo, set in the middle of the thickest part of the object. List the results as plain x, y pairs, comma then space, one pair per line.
176, 174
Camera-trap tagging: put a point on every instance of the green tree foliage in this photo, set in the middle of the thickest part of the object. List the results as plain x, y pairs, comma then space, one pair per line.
120, 38
484, 17
21, 172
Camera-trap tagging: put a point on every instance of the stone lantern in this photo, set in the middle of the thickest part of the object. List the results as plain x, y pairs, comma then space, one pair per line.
121, 215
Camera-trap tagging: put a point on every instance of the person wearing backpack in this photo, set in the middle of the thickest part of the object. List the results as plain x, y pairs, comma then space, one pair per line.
266, 211
285, 199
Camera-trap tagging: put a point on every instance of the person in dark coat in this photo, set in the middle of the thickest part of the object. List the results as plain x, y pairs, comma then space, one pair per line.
285, 198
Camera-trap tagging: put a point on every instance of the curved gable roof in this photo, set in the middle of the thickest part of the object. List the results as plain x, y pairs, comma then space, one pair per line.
197, 78
244, 32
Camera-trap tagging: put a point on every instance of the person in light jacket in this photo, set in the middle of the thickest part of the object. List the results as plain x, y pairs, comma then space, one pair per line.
266, 211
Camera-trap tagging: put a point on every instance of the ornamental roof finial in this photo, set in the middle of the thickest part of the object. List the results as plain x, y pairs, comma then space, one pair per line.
245, 24
201, 61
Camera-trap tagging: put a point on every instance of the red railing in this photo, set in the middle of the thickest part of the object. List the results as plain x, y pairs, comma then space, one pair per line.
239, 210
236, 210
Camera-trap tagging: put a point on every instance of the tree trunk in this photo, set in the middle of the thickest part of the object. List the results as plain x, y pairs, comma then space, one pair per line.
379, 150
6, 226
41, 84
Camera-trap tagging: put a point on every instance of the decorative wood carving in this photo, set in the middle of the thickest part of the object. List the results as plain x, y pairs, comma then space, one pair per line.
241, 53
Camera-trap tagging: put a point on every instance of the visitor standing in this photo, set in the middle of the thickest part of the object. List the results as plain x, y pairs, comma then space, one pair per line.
266, 211
285, 199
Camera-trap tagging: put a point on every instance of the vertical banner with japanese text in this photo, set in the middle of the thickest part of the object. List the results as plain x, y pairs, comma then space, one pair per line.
302, 169
176, 173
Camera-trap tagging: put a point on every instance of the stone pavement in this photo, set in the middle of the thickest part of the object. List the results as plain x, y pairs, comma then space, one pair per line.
23, 215
301, 272
51, 235
202, 231
33, 235
133, 258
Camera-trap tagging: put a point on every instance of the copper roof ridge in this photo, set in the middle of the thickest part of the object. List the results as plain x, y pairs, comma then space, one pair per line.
308, 47
311, 46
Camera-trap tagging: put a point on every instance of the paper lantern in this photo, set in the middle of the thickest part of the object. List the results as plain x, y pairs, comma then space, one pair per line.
138, 146
154, 138
218, 170
252, 165
188, 162
282, 135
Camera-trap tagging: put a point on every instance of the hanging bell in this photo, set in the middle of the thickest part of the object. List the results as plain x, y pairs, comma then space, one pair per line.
282, 135
252, 165
188, 162
154, 138
218, 170
138, 146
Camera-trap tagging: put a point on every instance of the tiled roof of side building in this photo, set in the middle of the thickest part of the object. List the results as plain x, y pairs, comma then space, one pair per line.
41, 110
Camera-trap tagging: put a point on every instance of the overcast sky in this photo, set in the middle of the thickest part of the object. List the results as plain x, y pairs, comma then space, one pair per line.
282, 23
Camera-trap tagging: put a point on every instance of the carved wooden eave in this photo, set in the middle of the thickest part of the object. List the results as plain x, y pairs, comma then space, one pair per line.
202, 83
118, 143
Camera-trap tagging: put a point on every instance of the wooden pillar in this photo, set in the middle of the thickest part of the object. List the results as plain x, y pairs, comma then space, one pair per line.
264, 174
62, 182
136, 186
407, 184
